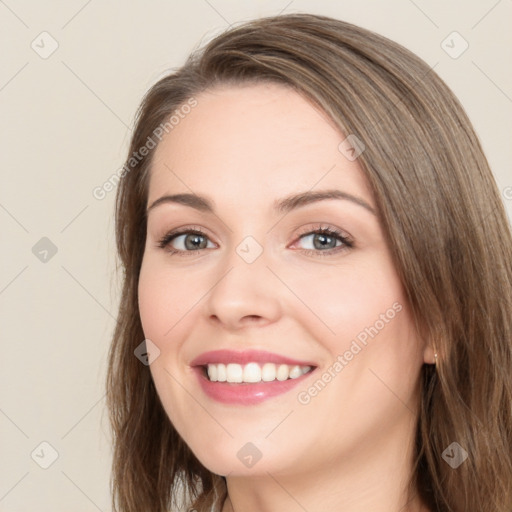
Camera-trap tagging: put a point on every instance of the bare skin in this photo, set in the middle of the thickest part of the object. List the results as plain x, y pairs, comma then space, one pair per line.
349, 445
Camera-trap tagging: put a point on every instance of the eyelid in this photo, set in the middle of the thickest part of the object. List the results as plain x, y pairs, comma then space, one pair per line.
327, 228
345, 238
169, 236
347, 241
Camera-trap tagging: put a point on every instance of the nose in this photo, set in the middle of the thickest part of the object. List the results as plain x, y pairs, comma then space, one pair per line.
245, 294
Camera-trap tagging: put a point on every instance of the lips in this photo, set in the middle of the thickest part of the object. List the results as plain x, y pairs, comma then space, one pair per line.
244, 357
248, 377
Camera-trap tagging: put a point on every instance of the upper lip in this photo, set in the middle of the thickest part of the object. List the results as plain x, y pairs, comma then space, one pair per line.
244, 357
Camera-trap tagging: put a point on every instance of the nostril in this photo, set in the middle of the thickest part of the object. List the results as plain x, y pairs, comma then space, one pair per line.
253, 317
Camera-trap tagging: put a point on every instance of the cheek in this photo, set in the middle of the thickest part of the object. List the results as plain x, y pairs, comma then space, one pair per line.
153, 298
165, 298
344, 301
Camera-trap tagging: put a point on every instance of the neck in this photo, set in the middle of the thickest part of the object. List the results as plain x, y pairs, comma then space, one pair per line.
375, 477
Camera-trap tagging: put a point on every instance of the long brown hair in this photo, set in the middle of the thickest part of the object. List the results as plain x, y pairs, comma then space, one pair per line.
443, 217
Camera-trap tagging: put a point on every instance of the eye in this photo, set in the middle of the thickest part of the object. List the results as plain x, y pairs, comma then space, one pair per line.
325, 240
321, 241
184, 241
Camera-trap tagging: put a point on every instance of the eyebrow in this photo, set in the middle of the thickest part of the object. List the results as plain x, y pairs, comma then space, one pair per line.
284, 205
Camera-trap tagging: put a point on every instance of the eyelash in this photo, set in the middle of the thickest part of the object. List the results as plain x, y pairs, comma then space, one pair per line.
347, 242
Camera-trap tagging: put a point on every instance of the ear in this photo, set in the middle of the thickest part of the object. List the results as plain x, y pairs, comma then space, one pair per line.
429, 355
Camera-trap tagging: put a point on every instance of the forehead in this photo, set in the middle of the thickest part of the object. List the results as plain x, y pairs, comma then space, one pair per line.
239, 139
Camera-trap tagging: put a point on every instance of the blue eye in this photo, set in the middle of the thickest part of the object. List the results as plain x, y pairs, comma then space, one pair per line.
191, 240
326, 241
322, 241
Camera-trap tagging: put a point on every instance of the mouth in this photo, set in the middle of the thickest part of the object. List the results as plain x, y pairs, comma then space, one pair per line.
253, 372
248, 377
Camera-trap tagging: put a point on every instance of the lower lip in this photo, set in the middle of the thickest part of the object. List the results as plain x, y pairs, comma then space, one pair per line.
246, 393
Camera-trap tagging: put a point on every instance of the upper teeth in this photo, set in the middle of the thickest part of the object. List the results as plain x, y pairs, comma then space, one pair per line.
252, 372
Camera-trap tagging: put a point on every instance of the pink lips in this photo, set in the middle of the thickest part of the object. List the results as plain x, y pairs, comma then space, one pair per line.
247, 356
244, 393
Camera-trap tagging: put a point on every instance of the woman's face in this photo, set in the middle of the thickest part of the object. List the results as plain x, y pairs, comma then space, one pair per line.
297, 291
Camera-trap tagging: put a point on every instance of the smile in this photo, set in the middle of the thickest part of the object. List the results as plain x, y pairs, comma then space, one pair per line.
248, 377
253, 372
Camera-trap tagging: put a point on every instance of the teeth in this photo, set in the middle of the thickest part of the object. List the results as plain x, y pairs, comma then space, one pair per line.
213, 373
253, 372
234, 372
295, 371
283, 372
268, 372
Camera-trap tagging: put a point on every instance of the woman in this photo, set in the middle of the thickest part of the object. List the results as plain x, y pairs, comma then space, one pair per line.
318, 285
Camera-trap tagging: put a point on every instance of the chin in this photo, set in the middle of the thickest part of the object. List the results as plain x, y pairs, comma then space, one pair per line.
245, 458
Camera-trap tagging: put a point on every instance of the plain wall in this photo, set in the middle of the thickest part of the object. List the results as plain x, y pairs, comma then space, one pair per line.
65, 125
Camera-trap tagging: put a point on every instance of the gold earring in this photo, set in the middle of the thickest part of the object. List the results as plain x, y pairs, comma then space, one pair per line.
435, 358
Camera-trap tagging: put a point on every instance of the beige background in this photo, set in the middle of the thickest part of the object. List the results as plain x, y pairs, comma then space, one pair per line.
65, 125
